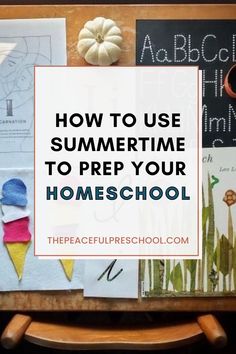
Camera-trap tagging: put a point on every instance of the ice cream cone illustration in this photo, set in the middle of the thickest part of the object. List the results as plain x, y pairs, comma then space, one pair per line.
16, 237
17, 240
68, 267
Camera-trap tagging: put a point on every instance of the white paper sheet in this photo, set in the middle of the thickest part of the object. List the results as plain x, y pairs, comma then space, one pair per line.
23, 45
38, 274
124, 285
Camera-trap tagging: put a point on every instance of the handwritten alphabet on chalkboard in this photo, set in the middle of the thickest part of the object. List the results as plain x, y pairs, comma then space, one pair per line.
210, 44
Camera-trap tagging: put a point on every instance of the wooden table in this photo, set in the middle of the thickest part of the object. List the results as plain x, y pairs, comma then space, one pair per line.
125, 16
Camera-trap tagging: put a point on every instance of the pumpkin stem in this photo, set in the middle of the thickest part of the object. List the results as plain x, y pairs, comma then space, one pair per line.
99, 38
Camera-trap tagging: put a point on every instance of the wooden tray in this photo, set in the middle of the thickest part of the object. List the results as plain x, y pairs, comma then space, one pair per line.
125, 16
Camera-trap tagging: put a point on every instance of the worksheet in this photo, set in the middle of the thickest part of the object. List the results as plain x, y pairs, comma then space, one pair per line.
111, 278
24, 44
215, 273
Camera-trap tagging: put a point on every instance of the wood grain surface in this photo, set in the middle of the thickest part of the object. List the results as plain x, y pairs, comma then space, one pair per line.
125, 16
15, 331
118, 337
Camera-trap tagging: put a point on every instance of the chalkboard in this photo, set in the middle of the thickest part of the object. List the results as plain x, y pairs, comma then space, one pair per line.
209, 44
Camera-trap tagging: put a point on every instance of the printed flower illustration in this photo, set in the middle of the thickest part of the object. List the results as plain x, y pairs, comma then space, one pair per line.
230, 197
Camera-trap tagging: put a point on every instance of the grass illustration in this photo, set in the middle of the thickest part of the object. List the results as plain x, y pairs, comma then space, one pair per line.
210, 235
215, 273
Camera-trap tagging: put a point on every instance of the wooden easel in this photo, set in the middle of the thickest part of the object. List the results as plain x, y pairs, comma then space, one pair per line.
92, 337
84, 337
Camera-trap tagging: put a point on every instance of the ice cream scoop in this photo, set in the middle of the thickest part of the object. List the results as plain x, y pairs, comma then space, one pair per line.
14, 192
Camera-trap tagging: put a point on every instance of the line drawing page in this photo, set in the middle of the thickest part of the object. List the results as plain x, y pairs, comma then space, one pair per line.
24, 44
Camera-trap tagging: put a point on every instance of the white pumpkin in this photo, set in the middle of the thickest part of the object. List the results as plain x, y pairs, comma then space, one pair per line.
100, 42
